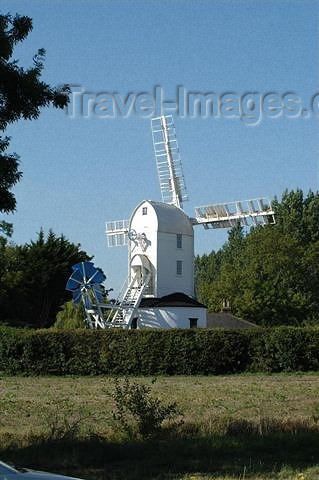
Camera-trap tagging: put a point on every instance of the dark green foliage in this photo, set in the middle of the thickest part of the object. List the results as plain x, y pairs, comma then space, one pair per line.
166, 352
13, 342
285, 349
271, 274
22, 95
223, 351
33, 279
9, 176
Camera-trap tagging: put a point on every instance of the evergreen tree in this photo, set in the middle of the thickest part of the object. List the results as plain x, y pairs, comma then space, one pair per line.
34, 278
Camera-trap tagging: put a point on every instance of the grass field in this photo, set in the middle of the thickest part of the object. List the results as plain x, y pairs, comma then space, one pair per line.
234, 427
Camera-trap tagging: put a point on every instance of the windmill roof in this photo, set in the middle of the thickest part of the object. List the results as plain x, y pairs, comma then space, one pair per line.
177, 299
171, 218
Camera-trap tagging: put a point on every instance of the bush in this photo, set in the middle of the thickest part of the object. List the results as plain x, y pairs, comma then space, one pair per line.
70, 317
284, 349
134, 402
157, 352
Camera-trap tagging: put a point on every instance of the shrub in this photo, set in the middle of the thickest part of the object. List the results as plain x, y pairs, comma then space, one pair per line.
285, 349
133, 401
70, 317
157, 352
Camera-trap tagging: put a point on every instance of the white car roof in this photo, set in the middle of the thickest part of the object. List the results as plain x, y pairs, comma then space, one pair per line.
6, 469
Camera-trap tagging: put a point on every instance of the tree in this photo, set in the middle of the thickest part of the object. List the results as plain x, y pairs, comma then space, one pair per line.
298, 215
33, 279
22, 95
271, 288
270, 275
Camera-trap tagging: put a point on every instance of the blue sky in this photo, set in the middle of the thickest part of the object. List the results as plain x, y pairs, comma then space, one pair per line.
80, 172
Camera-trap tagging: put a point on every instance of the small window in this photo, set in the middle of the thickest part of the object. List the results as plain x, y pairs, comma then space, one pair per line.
193, 322
144, 211
179, 267
179, 242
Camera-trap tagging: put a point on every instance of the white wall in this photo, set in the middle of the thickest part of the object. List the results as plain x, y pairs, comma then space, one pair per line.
171, 317
146, 224
167, 254
162, 250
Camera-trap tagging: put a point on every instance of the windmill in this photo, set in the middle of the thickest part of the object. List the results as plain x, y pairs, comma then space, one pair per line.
159, 235
85, 283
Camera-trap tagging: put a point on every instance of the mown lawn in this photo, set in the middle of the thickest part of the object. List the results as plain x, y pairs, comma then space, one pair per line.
236, 426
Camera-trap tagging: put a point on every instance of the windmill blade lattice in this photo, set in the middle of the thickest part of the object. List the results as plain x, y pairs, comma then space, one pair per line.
85, 283
168, 160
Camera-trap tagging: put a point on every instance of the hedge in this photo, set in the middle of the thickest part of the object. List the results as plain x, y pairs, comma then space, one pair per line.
157, 352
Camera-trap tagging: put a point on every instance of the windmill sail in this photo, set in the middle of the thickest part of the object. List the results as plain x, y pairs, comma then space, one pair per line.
225, 215
85, 283
168, 161
116, 233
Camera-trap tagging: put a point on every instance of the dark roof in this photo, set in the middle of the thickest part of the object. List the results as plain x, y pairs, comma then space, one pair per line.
177, 299
227, 320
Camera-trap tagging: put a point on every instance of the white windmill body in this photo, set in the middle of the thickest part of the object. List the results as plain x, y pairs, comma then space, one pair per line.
166, 249
159, 291
163, 253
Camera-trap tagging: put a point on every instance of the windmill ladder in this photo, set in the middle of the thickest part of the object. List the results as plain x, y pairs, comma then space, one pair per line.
129, 303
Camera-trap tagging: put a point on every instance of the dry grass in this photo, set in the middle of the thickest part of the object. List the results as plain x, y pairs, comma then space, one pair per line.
235, 427
248, 397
